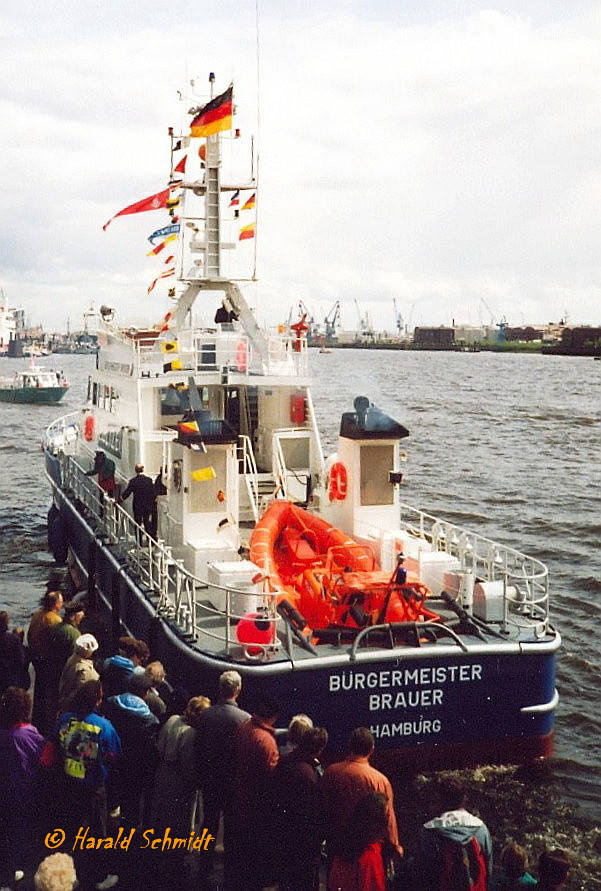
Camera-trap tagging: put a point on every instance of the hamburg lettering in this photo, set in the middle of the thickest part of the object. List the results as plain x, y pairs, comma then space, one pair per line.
406, 728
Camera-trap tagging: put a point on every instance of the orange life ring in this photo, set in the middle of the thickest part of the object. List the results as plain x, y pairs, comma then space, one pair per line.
241, 356
88, 428
338, 482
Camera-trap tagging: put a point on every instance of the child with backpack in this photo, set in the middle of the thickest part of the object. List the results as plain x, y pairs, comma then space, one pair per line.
455, 848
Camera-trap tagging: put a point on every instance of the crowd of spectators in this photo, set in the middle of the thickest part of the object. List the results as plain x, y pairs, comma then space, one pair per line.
113, 752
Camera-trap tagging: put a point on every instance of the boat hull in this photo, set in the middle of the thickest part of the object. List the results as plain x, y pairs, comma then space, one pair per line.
444, 708
33, 395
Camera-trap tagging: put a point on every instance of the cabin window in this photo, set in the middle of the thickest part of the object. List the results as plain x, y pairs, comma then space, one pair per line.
295, 452
174, 400
94, 393
203, 493
114, 400
376, 462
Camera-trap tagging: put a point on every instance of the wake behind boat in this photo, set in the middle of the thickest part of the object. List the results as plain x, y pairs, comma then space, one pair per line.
309, 575
34, 386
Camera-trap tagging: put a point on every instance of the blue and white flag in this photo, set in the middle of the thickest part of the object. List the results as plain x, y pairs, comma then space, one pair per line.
166, 230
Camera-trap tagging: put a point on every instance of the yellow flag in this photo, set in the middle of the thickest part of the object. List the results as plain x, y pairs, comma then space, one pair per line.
169, 346
204, 474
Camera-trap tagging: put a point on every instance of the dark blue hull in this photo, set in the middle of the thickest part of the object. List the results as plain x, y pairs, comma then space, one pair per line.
424, 708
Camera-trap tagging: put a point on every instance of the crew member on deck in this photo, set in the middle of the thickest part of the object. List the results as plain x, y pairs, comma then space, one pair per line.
143, 489
105, 468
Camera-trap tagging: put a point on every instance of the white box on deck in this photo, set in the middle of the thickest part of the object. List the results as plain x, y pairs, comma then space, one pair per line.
399, 541
239, 575
432, 568
205, 551
489, 600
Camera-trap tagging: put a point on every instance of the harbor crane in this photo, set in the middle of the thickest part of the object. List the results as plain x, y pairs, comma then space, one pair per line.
398, 319
331, 322
500, 326
365, 326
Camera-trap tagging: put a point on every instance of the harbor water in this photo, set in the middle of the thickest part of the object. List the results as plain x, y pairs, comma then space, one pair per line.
505, 444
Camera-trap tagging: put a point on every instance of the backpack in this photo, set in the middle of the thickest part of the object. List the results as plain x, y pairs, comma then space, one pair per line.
463, 867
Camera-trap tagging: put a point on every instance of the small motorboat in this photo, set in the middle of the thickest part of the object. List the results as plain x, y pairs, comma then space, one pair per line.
34, 386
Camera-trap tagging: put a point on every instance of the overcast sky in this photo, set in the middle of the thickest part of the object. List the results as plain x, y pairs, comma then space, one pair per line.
445, 155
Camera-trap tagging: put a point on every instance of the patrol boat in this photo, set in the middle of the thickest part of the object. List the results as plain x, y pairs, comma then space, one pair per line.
34, 386
307, 574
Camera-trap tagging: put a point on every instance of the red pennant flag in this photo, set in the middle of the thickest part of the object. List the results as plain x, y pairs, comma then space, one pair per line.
181, 167
153, 202
164, 274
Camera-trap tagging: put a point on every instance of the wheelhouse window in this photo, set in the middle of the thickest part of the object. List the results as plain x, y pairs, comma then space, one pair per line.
376, 462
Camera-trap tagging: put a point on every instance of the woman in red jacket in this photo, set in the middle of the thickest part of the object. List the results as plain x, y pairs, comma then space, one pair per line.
358, 865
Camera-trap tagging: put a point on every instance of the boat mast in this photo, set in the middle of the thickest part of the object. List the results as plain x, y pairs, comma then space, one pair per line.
212, 268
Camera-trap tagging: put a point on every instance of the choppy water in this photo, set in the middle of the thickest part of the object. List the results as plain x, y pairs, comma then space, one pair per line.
505, 444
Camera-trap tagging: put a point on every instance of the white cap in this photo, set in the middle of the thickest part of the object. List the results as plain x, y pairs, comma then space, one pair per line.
87, 643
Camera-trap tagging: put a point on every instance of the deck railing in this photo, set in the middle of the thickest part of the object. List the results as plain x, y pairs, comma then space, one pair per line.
175, 592
228, 349
525, 579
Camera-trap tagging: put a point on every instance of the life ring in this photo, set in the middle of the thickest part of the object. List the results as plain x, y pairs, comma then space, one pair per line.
241, 356
88, 428
338, 482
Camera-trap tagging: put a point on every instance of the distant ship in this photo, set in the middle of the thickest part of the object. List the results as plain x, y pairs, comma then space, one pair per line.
34, 386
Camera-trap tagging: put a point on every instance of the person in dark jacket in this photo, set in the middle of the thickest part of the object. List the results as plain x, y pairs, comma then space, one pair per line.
137, 728
553, 870
13, 658
298, 812
104, 468
214, 753
143, 489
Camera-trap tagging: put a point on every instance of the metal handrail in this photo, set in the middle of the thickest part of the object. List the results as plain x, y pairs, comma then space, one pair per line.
416, 627
165, 577
250, 471
525, 579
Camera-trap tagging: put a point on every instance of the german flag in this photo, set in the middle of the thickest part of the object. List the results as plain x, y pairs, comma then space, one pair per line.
215, 116
248, 205
188, 427
247, 232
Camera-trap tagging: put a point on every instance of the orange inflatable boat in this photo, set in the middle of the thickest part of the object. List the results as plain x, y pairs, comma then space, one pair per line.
331, 580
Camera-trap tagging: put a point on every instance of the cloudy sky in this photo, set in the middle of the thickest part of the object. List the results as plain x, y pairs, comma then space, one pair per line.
443, 154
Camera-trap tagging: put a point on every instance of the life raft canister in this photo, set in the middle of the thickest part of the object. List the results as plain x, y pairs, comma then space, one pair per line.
338, 482
88, 428
241, 356
297, 409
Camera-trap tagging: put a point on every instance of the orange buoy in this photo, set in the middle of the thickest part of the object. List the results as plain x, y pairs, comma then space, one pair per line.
88, 428
338, 482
